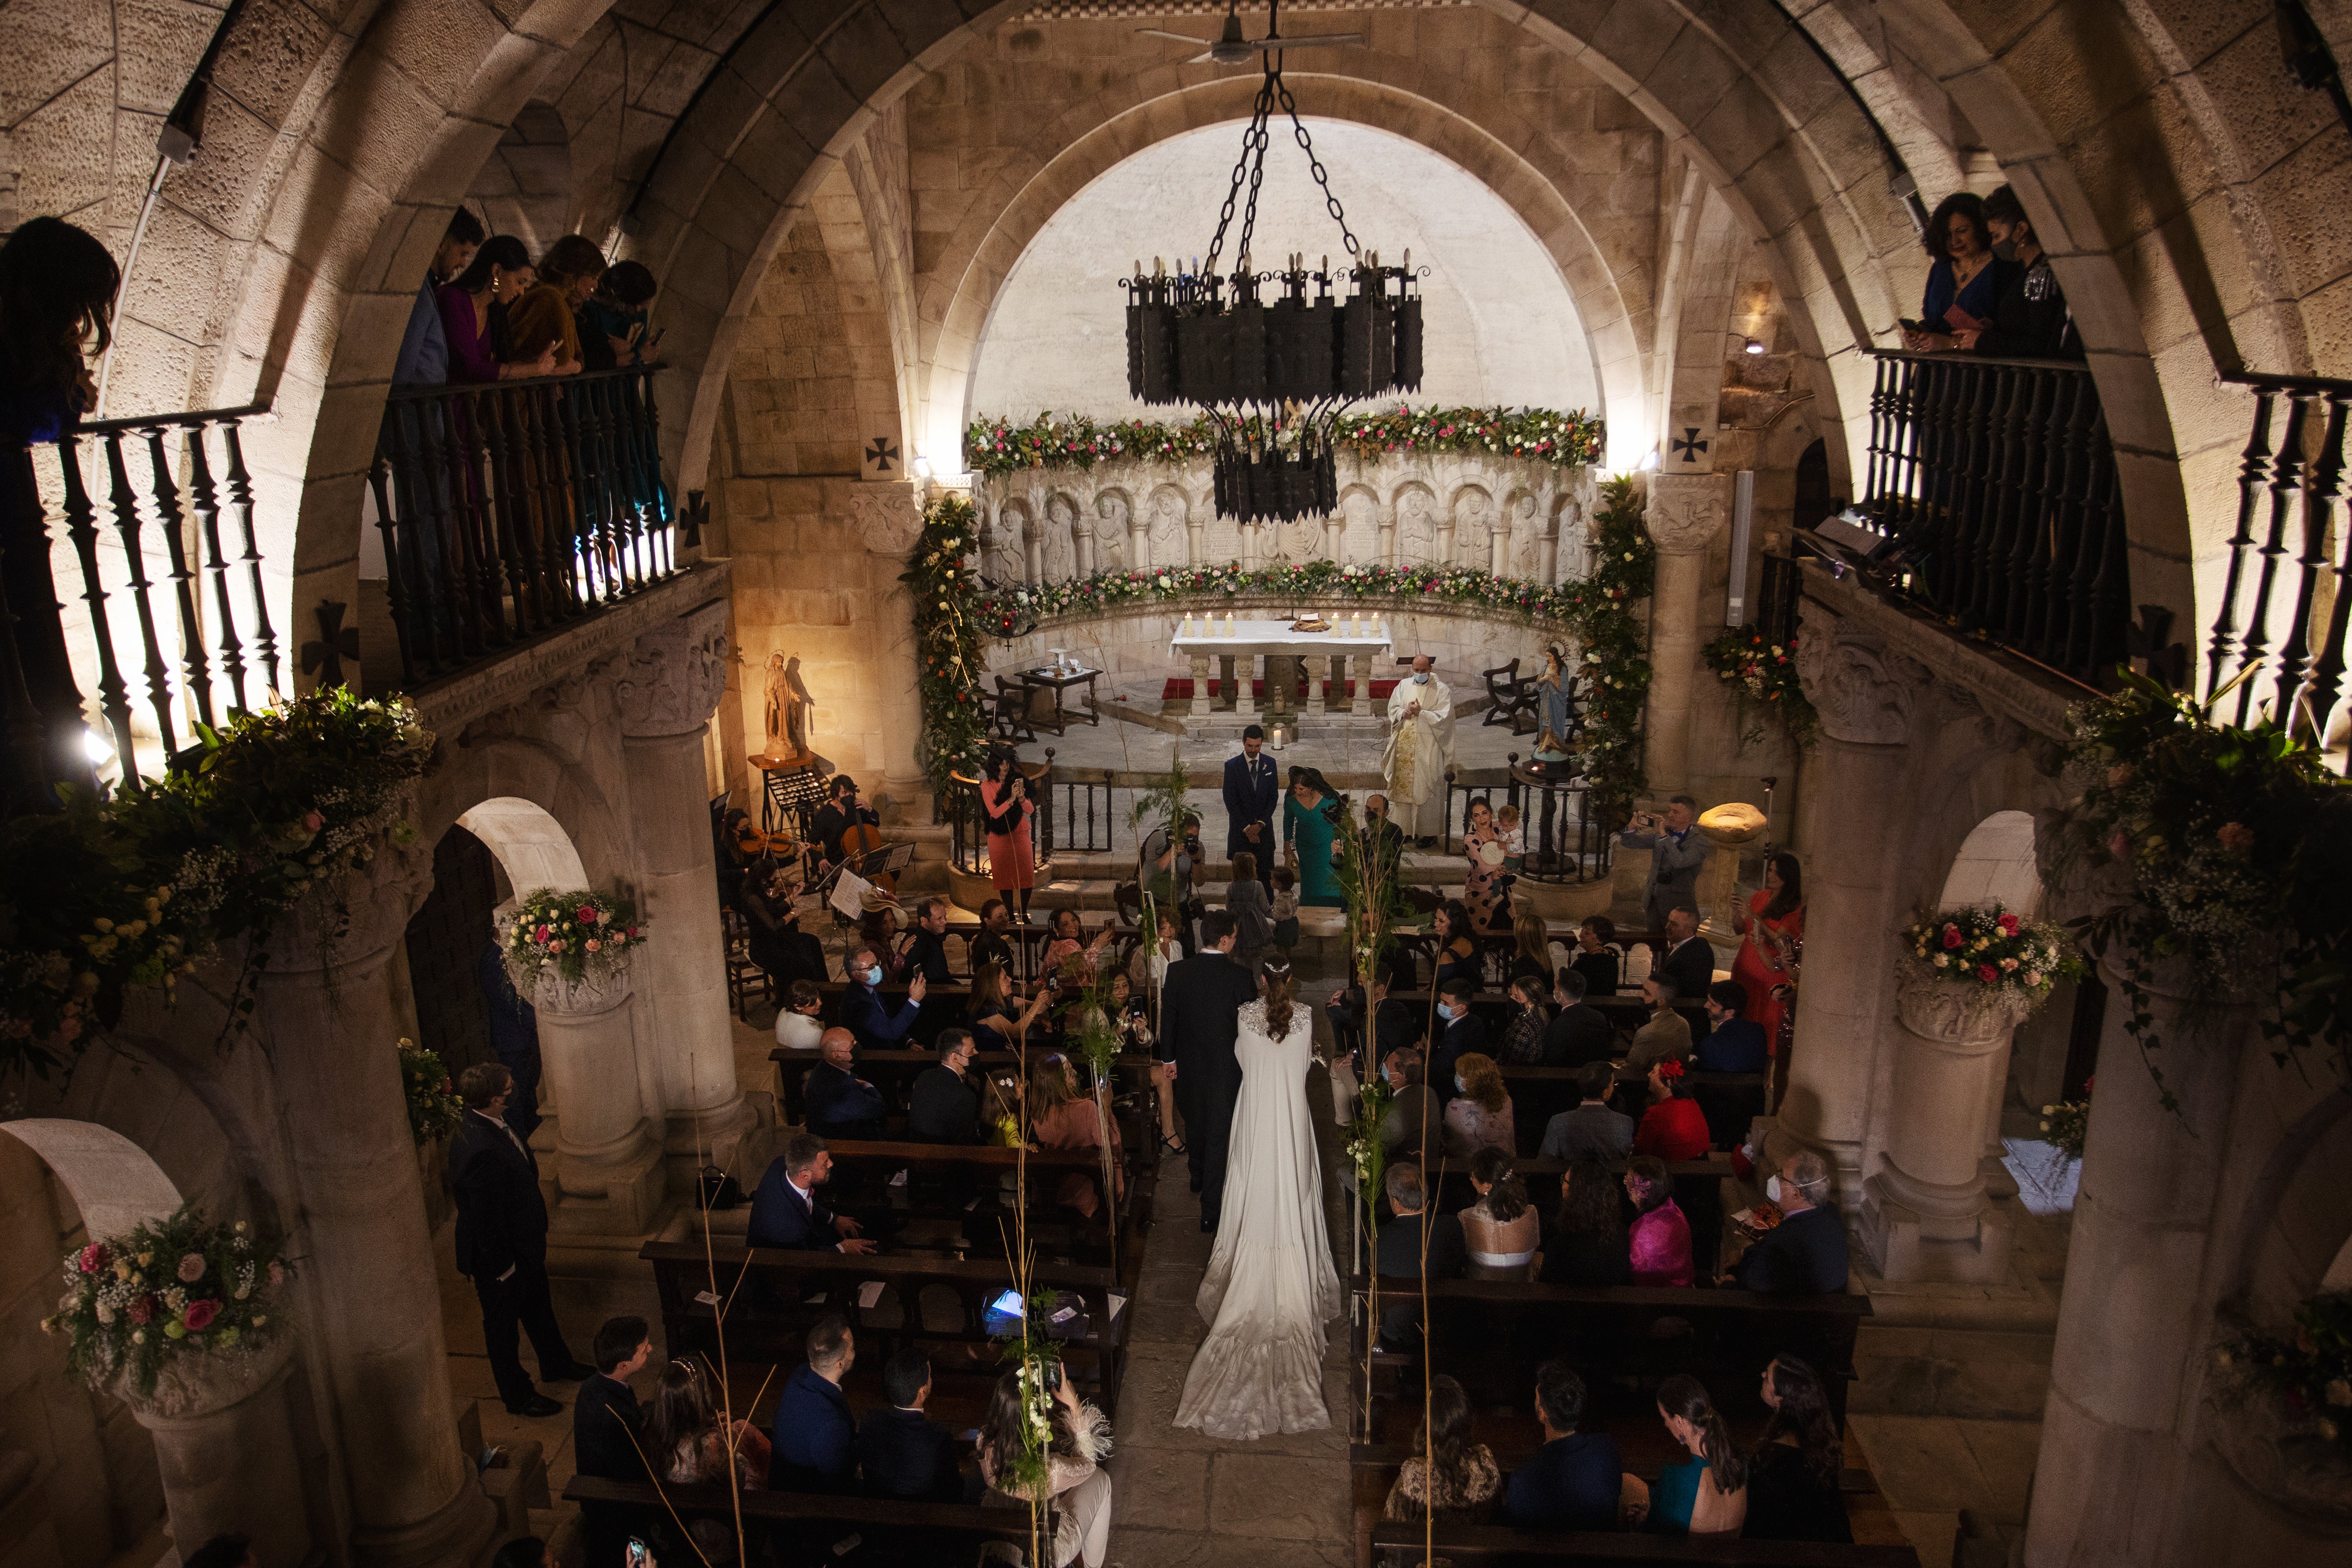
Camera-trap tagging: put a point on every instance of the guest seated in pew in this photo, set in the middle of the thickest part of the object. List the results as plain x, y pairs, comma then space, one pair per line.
1792, 1481
1592, 1130
1688, 961
1658, 1246
988, 945
997, 1018
1668, 1034
879, 930
816, 1440
1502, 1229
1523, 1038
1587, 1245
797, 1025
1457, 948
689, 1443
943, 1107
839, 1103
1575, 1481
925, 950
1124, 1010
1399, 1252
1577, 1033
903, 1453
878, 1025
1736, 1044
607, 1437
1075, 1481
1805, 1254
1070, 954
785, 1211
1413, 1110
1598, 957
1535, 954
1061, 1116
1449, 1477
1480, 1116
1460, 1033
1706, 1494
1673, 1128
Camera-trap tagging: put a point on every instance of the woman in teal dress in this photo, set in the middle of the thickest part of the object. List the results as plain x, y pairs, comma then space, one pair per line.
1310, 819
1706, 1494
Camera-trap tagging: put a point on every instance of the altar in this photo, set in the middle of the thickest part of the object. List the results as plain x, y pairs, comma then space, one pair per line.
1327, 656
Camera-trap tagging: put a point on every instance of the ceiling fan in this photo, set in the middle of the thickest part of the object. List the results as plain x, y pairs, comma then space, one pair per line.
1229, 48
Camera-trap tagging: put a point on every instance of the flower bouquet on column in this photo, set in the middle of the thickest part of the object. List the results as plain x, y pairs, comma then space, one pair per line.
1983, 960
171, 1314
572, 948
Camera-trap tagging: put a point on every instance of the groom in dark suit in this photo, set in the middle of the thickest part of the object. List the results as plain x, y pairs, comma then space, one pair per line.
1252, 794
1199, 1020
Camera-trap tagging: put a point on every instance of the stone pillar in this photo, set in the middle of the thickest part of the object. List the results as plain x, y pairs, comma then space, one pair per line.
1200, 686
1360, 695
1386, 555
224, 1445
673, 680
1193, 528
1320, 672
2123, 1412
1924, 1215
371, 1293
607, 1176
1852, 897
1082, 538
1683, 514
1245, 699
889, 520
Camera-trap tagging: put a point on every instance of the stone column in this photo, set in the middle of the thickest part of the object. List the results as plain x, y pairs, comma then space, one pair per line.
890, 519
1320, 672
607, 1176
1684, 513
1360, 697
1200, 686
1193, 528
2123, 1409
1245, 699
1924, 1215
673, 680
371, 1301
1851, 899
1387, 556
1082, 539
1138, 539
224, 1445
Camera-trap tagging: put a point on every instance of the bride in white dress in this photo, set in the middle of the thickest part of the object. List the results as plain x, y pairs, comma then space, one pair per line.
1270, 1287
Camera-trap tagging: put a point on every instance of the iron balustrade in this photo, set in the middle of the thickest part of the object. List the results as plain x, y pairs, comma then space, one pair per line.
512, 507
203, 647
1563, 843
966, 823
2280, 622
1996, 481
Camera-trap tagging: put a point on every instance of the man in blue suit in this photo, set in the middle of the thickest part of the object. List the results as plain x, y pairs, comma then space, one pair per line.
878, 1025
837, 1102
815, 1433
1252, 792
1736, 1044
786, 1211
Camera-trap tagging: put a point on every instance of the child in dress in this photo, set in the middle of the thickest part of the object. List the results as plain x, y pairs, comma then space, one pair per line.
1285, 907
1515, 842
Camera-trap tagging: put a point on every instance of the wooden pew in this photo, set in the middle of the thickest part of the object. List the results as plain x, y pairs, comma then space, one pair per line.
1699, 1192
892, 1531
1500, 1543
865, 1166
889, 1070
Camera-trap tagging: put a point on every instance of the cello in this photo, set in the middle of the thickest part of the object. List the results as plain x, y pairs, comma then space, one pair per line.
859, 840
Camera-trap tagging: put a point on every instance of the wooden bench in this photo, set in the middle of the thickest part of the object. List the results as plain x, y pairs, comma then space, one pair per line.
891, 1071
893, 1530
1699, 1192
979, 1205
1501, 1543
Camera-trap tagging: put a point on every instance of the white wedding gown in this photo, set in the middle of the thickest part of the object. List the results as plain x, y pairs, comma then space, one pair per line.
1270, 1287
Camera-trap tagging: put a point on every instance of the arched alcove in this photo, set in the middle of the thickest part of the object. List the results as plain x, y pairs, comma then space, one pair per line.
1996, 866
531, 846
115, 1184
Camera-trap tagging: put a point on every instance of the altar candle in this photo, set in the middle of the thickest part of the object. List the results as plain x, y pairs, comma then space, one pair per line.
1229, 623
1188, 625
1355, 623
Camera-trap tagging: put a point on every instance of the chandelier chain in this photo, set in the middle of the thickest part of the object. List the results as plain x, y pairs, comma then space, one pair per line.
1331, 200
1254, 144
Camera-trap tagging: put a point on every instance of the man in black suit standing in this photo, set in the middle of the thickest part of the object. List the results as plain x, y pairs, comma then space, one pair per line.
608, 1434
502, 1241
1200, 1010
1252, 793
1688, 961
786, 1212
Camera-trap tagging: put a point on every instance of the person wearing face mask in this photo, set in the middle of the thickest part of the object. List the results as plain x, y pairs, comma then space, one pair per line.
1459, 1033
1420, 750
1805, 1254
839, 1103
2031, 321
876, 1026
1383, 841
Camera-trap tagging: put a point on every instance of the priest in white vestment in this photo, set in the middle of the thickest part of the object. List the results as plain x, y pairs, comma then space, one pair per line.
1420, 750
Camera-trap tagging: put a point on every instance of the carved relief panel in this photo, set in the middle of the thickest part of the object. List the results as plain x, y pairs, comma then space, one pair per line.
1416, 526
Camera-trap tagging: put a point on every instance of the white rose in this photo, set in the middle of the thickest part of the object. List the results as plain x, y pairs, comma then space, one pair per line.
105, 1313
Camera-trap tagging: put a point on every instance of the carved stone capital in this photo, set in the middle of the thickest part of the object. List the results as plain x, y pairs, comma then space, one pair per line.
1864, 695
889, 517
1967, 1019
675, 674
1686, 510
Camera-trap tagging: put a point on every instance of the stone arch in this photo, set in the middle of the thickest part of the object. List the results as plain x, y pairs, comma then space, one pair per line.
531, 846
524, 186
1996, 865
115, 1182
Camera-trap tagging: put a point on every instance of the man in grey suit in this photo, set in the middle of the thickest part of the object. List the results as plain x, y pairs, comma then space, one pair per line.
1678, 849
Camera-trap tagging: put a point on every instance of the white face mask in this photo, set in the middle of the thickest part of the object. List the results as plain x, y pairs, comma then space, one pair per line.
873, 977
1446, 1011
1772, 1188
1461, 1088
1421, 677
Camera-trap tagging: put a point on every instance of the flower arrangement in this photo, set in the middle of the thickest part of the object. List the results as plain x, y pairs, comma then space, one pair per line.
143, 1306
1365, 1153
2068, 1123
995, 445
575, 938
2310, 1372
434, 1108
950, 646
276, 808
1765, 673
2235, 845
1993, 951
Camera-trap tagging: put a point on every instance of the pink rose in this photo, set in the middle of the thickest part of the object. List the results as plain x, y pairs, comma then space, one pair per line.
192, 1268
587, 914
556, 946
539, 933
94, 1258
1951, 936
2236, 838
1987, 973
592, 944
142, 1310
2007, 964
312, 821
2119, 845
2008, 924
200, 1315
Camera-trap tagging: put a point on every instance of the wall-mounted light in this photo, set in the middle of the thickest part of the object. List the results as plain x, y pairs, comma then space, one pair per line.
922, 466
1649, 460
1752, 346
96, 747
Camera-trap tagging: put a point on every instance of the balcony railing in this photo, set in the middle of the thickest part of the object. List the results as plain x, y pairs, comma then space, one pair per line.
2281, 618
171, 597
511, 509
1995, 482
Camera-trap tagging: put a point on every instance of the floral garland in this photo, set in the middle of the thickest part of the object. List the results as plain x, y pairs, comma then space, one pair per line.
575, 937
1765, 672
433, 1108
148, 1303
1994, 951
136, 890
2237, 844
2311, 1373
999, 446
951, 648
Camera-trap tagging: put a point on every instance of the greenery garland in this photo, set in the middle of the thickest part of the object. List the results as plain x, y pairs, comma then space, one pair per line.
2310, 1374
1765, 672
435, 1109
2238, 846
164, 1294
279, 806
951, 648
573, 935
996, 444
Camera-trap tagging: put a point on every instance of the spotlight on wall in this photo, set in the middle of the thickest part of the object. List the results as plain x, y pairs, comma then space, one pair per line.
1649, 460
922, 466
1752, 346
96, 747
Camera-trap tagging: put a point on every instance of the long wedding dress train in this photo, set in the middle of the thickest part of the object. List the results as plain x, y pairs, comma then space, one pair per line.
1270, 1286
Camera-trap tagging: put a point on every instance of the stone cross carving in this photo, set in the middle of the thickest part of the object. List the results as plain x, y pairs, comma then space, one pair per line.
675, 674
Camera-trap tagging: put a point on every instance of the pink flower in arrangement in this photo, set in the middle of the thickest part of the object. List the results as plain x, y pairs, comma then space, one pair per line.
2008, 964
2008, 924
192, 1268
312, 821
1951, 936
2119, 845
539, 933
1987, 973
555, 946
142, 1310
587, 914
200, 1315
94, 1258
2236, 838
592, 944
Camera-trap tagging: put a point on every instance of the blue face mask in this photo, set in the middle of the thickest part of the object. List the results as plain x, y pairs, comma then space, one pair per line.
1421, 677
874, 976
1446, 1011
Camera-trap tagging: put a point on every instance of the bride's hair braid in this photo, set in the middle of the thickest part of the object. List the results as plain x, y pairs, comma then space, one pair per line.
1281, 988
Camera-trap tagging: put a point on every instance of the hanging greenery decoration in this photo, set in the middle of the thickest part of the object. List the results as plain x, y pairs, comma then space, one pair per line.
1764, 673
169, 1298
951, 648
995, 445
435, 1109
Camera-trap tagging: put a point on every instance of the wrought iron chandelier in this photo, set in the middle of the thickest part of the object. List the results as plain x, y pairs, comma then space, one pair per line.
1273, 368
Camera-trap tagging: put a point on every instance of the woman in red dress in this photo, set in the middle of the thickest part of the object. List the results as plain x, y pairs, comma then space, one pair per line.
1005, 801
1771, 932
